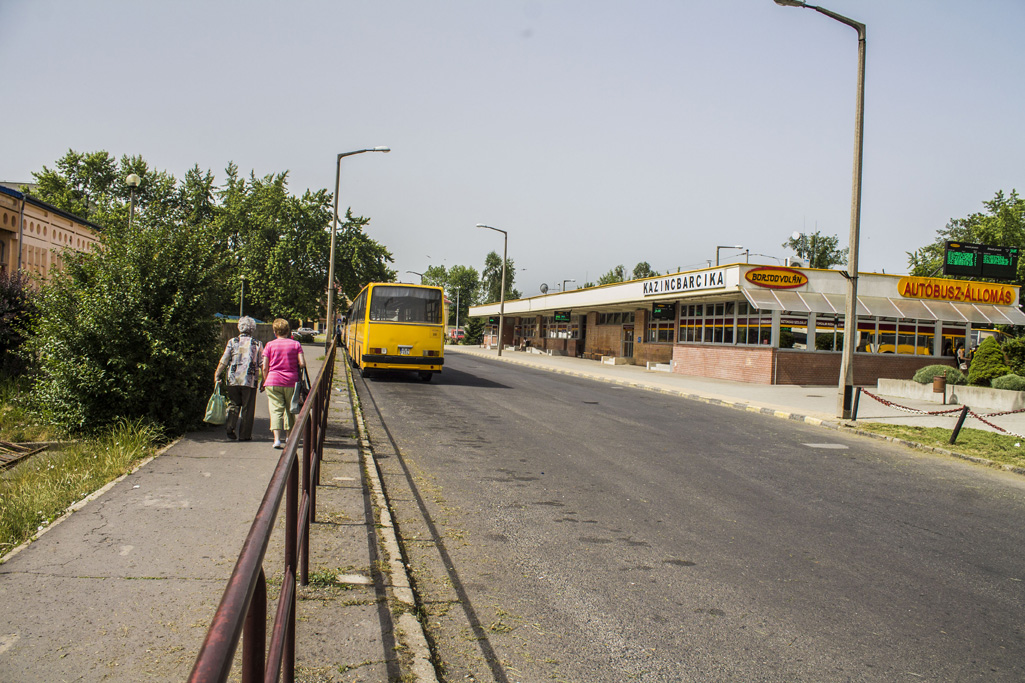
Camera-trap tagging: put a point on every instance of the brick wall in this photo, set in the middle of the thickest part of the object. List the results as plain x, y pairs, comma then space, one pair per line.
741, 363
764, 365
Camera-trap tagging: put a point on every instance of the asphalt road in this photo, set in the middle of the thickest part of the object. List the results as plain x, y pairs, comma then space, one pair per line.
567, 530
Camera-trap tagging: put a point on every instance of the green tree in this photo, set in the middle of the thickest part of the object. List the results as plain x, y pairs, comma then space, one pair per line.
818, 250
466, 281
1002, 225
491, 279
643, 270
615, 275
126, 331
359, 259
436, 276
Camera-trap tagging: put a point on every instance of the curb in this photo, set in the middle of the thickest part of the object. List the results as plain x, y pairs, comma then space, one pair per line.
409, 630
850, 427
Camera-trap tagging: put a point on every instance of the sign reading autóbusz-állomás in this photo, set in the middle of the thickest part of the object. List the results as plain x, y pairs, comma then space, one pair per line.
676, 284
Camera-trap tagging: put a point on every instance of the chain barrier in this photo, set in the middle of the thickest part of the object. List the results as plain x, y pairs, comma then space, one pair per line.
980, 418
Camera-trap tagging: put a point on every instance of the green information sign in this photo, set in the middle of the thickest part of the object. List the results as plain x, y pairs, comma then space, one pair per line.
980, 260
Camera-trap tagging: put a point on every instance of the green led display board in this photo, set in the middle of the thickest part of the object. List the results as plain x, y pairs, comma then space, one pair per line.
561, 316
663, 311
980, 260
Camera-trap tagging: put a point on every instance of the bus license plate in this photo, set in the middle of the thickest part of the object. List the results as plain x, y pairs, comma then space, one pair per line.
405, 350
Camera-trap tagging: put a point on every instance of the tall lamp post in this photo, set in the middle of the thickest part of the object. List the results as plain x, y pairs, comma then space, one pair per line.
501, 305
413, 272
724, 247
133, 182
845, 395
334, 229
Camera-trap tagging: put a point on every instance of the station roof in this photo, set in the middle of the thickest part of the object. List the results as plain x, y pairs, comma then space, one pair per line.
790, 289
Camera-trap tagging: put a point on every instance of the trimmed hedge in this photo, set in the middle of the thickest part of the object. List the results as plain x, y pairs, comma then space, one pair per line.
1009, 382
988, 364
925, 375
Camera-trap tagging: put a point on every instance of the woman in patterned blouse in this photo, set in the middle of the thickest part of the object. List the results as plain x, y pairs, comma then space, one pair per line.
242, 357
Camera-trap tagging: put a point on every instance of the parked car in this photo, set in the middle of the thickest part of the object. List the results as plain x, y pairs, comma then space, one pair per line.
304, 334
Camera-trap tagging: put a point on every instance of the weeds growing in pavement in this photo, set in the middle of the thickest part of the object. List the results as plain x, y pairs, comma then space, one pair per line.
38, 490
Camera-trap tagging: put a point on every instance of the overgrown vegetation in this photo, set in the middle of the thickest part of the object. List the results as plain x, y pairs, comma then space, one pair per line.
17, 304
126, 332
39, 490
1000, 448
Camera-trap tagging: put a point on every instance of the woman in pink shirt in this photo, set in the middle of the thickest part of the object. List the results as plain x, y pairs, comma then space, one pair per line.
282, 359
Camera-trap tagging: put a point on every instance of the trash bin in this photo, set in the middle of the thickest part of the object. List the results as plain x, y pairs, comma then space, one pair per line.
939, 386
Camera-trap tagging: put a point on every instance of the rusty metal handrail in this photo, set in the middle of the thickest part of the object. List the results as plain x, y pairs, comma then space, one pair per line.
242, 613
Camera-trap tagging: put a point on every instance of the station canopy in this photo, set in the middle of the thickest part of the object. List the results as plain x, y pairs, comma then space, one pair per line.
884, 307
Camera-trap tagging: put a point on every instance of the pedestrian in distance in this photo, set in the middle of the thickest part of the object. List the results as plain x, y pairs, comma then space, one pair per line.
282, 359
241, 358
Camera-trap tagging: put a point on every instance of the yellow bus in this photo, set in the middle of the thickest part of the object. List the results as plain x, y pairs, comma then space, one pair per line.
397, 327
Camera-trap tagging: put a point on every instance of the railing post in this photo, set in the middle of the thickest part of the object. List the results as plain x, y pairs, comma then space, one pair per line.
254, 633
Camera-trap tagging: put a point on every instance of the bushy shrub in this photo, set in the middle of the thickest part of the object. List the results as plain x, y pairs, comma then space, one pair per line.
1014, 351
824, 341
303, 338
17, 304
1009, 382
988, 364
126, 331
925, 375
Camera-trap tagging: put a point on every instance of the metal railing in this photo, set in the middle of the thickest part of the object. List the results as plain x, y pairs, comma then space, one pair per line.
243, 609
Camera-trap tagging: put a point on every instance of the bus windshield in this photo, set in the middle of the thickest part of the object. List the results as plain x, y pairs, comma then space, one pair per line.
405, 305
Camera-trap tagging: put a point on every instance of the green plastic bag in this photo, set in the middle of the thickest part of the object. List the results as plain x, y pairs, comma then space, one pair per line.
216, 410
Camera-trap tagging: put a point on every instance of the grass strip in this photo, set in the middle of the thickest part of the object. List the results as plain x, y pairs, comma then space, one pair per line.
38, 490
1000, 448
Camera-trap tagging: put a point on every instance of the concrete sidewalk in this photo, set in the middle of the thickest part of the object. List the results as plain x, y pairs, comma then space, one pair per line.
125, 588
812, 404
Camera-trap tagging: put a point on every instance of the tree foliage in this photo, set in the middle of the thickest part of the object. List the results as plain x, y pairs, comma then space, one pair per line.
643, 270
818, 250
126, 331
1002, 224
615, 275
491, 279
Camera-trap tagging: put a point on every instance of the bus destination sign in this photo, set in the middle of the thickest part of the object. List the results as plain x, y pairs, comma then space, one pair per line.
980, 260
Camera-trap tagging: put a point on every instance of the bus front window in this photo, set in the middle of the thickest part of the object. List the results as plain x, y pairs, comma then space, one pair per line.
405, 305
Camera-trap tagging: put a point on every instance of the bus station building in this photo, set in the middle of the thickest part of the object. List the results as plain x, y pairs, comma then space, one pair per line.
760, 324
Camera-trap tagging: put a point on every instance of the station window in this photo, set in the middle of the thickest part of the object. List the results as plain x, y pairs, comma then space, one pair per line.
661, 332
618, 318
570, 330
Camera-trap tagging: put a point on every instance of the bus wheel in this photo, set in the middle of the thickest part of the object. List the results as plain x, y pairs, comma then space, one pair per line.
425, 376
366, 373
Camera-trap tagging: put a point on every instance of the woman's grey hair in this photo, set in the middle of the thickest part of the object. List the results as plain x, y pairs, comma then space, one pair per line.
246, 325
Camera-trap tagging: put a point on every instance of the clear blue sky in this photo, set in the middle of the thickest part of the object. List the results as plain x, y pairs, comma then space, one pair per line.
597, 133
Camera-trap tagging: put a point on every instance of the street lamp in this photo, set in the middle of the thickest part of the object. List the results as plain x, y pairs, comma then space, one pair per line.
133, 182
413, 272
501, 305
724, 247
334, 228
564, 284
845, 394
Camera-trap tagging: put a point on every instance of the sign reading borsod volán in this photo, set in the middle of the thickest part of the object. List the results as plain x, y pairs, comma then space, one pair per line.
776, 277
